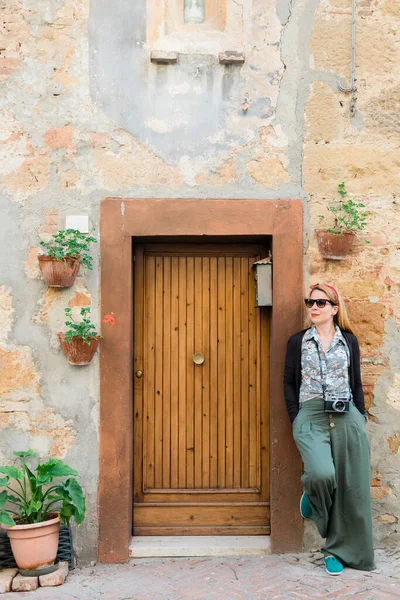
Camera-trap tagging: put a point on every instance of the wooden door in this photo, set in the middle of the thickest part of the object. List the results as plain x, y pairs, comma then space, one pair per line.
201, 431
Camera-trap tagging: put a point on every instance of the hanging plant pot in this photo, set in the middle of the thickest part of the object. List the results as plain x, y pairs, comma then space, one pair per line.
59, 273
333, 246
34, 546
77, 351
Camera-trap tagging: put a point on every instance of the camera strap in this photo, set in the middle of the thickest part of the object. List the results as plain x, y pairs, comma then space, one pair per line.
323, 377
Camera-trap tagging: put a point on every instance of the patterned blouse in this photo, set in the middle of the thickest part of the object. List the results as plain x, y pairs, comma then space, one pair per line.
330, 367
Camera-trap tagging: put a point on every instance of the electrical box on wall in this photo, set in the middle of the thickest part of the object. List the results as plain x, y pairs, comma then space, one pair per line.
79, 222
263, 277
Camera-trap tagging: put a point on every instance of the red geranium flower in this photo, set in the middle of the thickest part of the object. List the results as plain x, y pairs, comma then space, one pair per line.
109, 320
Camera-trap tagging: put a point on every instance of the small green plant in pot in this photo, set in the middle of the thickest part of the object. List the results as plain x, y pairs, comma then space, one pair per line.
64, 253
79, 343
32, 504
349, 217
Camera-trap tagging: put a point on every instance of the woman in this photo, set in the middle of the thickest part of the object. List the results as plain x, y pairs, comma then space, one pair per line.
325, 402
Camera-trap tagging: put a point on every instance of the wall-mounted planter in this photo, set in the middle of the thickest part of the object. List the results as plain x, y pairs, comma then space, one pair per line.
77, 351
58, 273
333, 246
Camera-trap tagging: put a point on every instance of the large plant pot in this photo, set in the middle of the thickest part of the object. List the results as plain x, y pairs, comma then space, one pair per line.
35, 546
58, 273
332, 246
77, 351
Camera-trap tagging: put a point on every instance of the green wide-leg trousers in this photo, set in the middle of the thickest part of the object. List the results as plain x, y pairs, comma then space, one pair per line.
336, 457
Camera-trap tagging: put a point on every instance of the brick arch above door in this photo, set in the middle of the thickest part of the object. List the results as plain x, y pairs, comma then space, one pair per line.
125, 220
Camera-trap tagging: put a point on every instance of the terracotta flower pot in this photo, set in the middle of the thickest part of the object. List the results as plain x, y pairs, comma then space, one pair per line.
35, 546
77, 351
332, 246
58, 273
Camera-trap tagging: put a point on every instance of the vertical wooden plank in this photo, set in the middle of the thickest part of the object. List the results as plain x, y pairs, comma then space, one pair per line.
174, 370
139, 317
265, 404
261, 315
229, 371
158, 354
253, 388
166, 470
244, 351
206, 374
213, 373
190, 375
149, 372
198, 371
182, 368
221, 373
261, 312
237, 365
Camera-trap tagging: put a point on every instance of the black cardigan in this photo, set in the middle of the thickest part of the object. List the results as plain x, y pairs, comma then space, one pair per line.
292, 376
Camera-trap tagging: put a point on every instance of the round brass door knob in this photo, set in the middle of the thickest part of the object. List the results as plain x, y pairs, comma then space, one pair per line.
139, 374
198, 358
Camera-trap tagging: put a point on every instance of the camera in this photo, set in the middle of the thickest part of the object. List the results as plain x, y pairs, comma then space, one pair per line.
336, 404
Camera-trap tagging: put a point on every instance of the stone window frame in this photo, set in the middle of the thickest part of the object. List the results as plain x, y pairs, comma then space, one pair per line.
215, 19
167, 30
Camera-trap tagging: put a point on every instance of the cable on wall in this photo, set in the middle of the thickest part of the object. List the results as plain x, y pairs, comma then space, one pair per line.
352, 87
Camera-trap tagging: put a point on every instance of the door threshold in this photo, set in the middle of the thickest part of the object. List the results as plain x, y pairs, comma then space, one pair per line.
154, 546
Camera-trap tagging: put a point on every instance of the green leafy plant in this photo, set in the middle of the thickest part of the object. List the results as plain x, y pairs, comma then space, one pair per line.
32, 496
84, 329
70, 243
349, 215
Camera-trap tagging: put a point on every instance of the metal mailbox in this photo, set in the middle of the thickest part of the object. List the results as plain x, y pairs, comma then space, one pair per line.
263, 277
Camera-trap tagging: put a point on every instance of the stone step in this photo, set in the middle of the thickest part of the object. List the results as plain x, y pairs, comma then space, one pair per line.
166, 546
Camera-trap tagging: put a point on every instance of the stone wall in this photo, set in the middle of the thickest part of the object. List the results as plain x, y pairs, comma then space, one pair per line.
363, 152
282, 130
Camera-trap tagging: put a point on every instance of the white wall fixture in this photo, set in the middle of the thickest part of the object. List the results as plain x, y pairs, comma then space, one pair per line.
79, 222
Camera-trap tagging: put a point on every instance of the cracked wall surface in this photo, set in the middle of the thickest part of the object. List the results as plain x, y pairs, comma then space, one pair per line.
76, 128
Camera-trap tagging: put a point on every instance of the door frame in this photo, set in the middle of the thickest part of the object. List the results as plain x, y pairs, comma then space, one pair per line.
121, 222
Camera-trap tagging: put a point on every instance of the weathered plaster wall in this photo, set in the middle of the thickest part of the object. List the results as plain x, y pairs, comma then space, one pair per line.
277, 128
44, 404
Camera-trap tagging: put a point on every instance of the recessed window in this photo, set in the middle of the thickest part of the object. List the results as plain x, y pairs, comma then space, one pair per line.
195, 26
195, 11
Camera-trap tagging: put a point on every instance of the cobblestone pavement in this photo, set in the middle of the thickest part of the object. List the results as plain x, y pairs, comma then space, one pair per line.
268, 577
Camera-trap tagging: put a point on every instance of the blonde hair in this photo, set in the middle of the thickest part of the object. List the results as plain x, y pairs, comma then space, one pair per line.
341, 318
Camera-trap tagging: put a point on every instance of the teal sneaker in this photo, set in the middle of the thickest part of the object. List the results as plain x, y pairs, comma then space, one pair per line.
305, 507
333, 566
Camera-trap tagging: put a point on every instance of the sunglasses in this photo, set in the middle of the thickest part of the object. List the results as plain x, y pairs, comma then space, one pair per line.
320, 302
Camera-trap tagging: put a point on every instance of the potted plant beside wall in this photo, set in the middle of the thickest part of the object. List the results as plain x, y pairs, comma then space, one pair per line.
32, 506
79, 343
349, 217
64, 253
